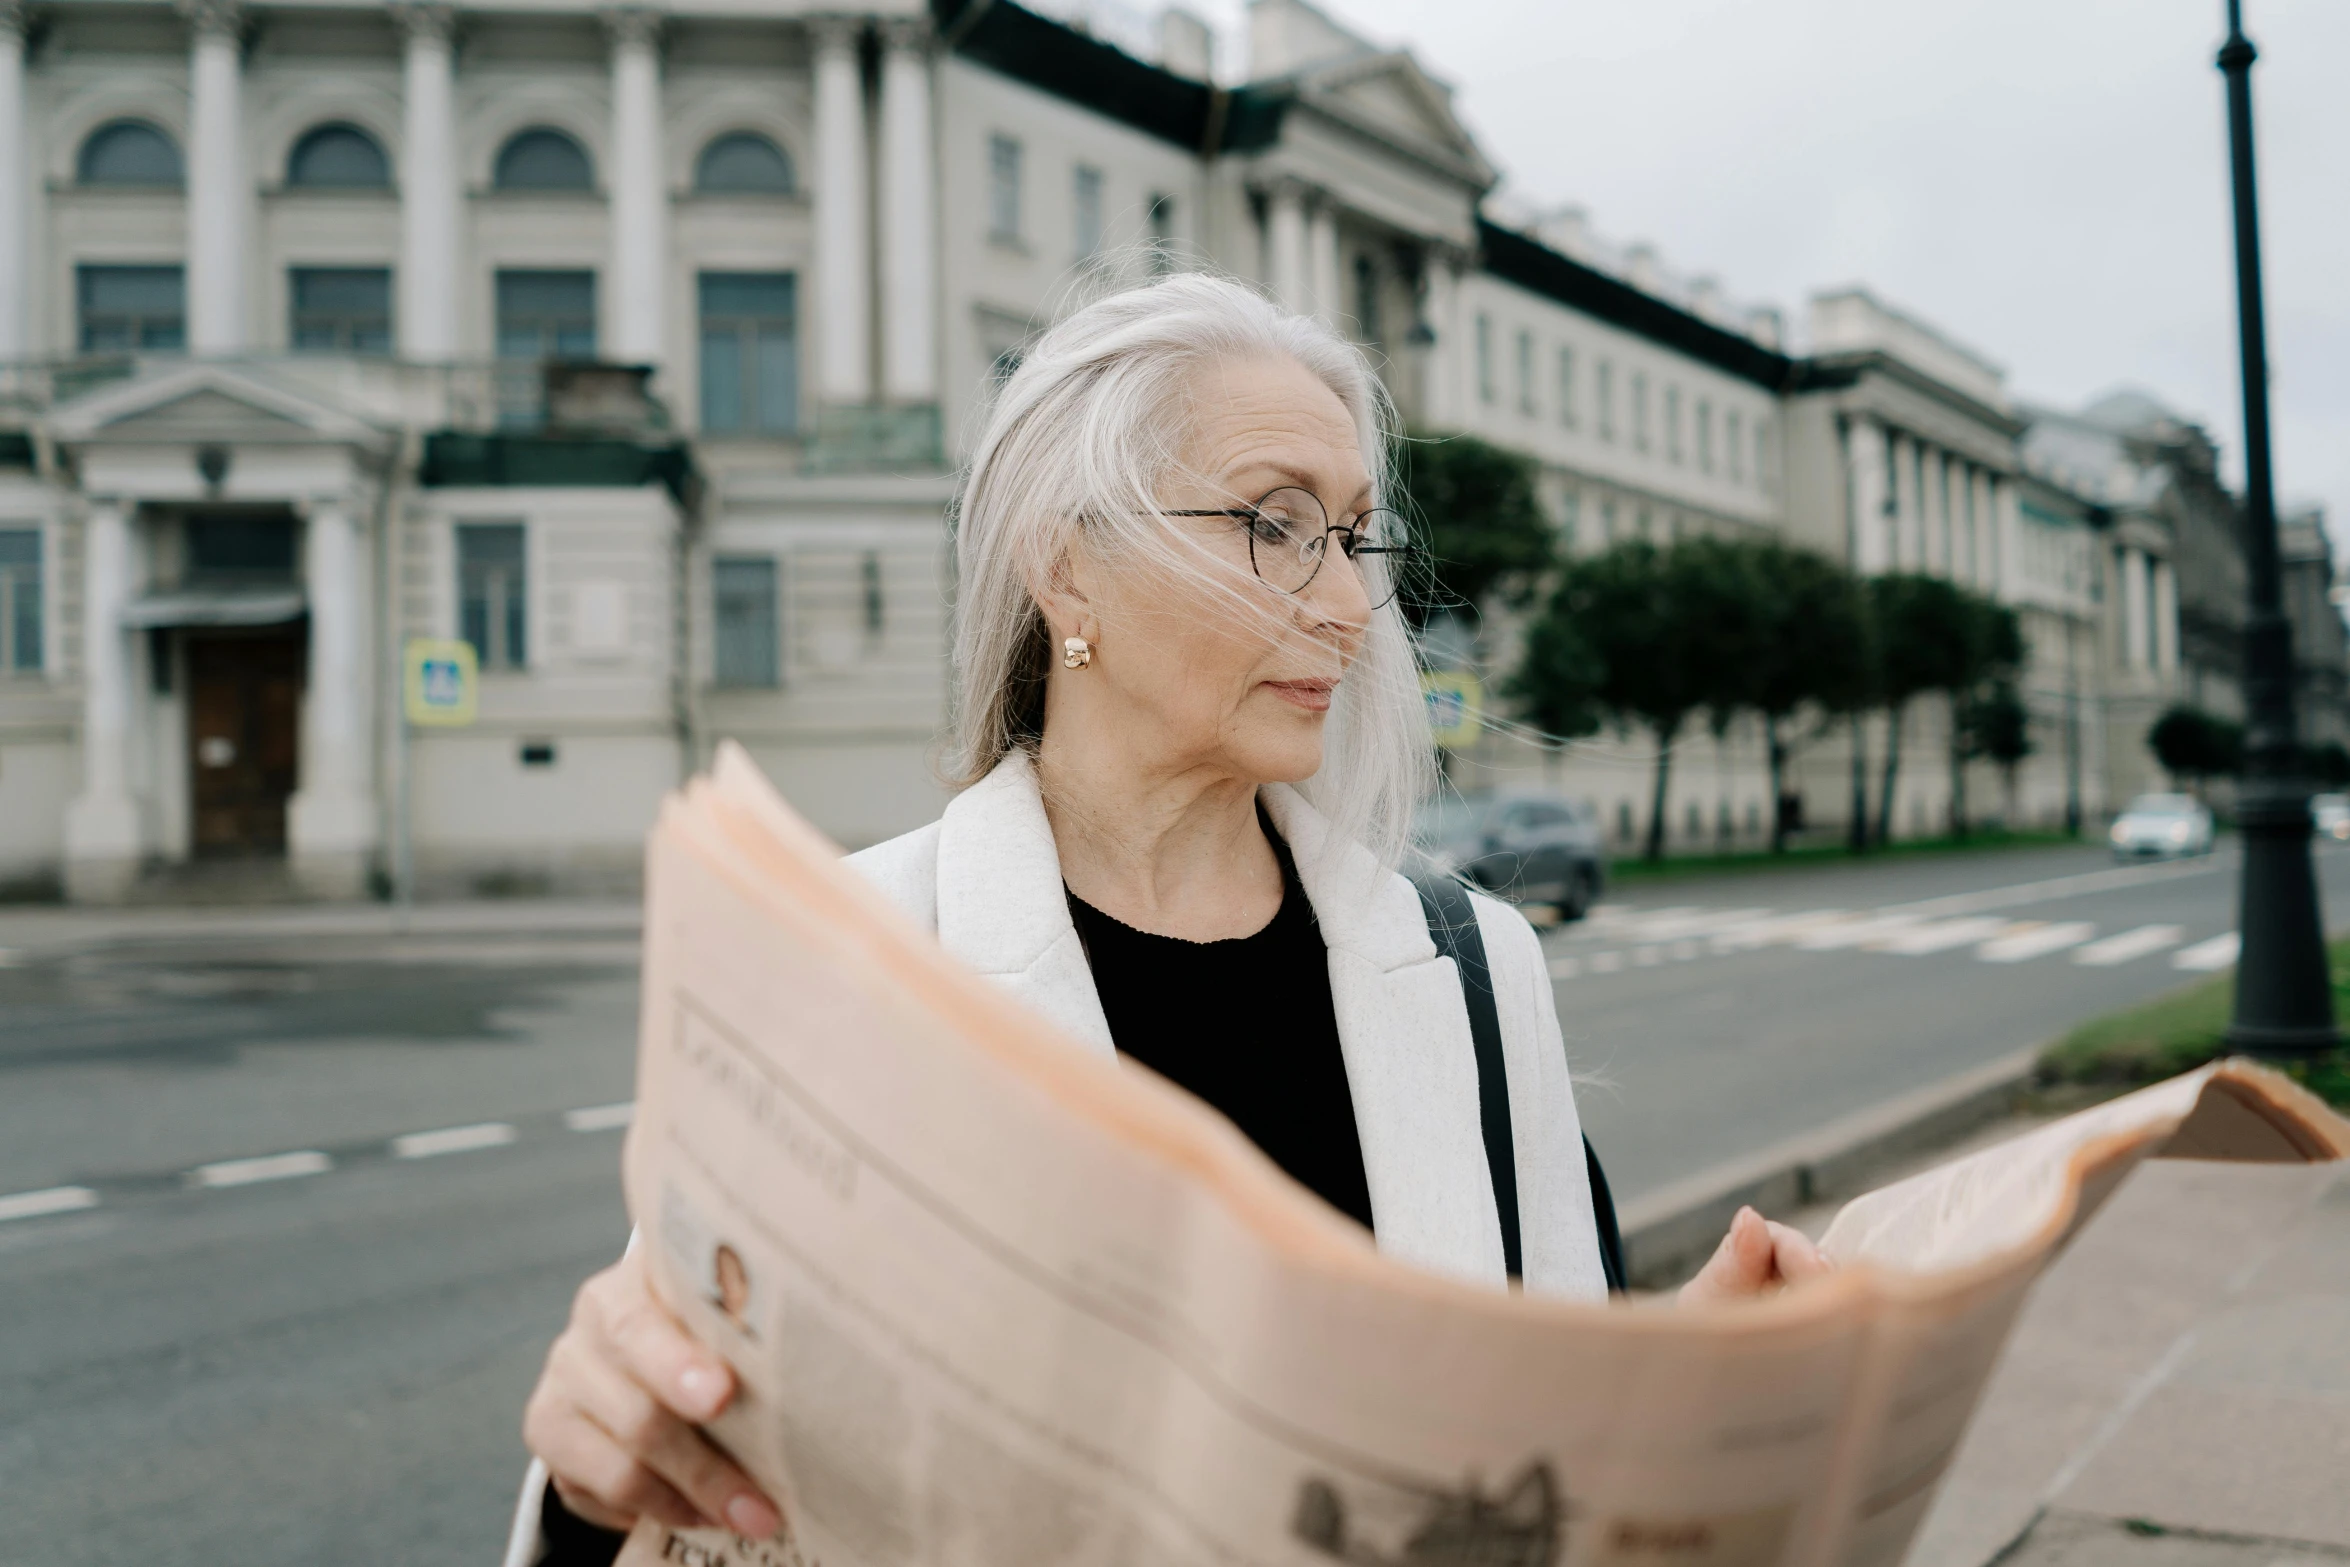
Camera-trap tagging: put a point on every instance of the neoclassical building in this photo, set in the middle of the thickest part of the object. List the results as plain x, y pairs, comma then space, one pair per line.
636, 346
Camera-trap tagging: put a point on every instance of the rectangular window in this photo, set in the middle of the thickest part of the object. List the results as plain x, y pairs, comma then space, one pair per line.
750, 353
1567, 387
1673, 424
20, 601
1162, 225
1085, 206
742, 588
1734, 442
1607, 400
1484, 357
1570, 518
132, 309
546, 315
492, 596
1705, 436
1525, 372
341, 310
1003, 190
1762, 454
1640, 410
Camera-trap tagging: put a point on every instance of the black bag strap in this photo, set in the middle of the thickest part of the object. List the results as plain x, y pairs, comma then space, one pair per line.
1452, 925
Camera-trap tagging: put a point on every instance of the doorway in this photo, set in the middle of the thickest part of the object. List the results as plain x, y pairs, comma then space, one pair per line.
244, 720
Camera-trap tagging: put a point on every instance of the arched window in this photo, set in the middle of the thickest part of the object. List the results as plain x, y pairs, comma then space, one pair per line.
543, 158
338, 157
129, 152
744, 161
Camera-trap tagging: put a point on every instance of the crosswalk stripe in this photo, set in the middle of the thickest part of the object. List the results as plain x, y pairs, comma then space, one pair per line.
1856, 932
2129, 945
1776, 928
2038, 941
2205, 956
1941, 935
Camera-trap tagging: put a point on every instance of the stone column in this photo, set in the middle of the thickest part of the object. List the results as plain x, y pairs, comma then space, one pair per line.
1902, 526
331, 820
909, 206
1441, 310
220, 196
2166, 617
2007, 533
2133, 608
431, 208
1982, 532
1322, 263
844, 308
1286, 262
1870, 529
102, 842
14, 237
640, 205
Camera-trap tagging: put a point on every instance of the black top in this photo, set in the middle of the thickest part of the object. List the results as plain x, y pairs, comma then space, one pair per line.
1247, 1026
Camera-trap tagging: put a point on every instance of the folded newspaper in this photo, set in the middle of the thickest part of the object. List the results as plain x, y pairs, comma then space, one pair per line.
993, 1300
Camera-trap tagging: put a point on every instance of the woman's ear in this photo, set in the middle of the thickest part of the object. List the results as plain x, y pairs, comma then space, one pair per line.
1061, 596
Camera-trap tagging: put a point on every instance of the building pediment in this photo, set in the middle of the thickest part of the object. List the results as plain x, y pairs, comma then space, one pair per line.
206, 404
1388, 96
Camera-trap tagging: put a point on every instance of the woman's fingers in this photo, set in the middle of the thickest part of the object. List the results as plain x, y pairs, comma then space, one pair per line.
654, 1346
657, 1438
600, 1481
1754, 1257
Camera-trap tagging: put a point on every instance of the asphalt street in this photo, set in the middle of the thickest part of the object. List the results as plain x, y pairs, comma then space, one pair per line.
286, 1220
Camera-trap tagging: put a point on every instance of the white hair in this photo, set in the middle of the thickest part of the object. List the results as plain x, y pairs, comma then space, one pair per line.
1081, 441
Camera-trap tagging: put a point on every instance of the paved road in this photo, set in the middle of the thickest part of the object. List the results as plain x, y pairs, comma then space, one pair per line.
276, 1333
1714, 1019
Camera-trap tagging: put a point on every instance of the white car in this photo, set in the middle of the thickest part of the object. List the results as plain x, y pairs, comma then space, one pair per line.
2331, 813
2162, 826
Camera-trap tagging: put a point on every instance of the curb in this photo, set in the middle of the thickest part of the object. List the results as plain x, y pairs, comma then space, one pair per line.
51, 931
1670, 1231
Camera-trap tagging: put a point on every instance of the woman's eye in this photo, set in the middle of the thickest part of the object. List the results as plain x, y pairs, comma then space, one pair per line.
1274, 528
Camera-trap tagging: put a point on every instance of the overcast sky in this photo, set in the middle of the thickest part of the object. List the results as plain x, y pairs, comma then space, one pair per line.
2045, 180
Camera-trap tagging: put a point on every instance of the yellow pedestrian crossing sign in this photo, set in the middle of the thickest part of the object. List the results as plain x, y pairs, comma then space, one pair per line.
442, 681
1456, 706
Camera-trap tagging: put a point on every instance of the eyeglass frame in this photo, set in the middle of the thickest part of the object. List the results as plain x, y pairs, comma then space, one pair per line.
1254, 511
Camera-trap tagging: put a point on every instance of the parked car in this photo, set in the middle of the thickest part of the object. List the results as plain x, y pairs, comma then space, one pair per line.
1529, 848
2331, 812
2162, 826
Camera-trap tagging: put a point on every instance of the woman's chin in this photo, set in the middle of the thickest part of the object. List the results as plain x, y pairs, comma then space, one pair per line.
1283, 758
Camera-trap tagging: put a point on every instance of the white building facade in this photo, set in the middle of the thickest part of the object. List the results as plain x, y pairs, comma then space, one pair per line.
635, 346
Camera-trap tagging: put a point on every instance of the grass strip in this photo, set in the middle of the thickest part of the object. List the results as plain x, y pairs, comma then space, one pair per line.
2180, 1031
1816, 855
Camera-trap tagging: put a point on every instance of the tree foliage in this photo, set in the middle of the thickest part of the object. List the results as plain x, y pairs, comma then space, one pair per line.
1481, 521
2191, 743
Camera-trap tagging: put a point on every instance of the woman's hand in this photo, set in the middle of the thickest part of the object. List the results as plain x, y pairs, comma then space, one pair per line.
1755, 1258
615, 1410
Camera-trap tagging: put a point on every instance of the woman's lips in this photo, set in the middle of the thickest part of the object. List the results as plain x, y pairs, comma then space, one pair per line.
1312, 695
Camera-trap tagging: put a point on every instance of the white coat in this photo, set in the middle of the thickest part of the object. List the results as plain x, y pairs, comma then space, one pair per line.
985, 878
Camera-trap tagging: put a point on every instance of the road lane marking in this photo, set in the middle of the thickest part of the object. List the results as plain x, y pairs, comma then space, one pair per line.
1857, 932
2057, 887
2203, 957
600, 1118
2130, 945
1941, 935
452, 1139
2036, 942
1648, 957
40, 1204
268, 1167
1565, 968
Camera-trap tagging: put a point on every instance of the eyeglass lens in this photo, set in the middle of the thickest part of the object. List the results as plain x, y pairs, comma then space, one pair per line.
1289, 533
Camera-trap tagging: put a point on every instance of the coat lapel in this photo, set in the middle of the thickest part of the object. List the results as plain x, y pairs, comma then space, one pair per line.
1002, 907
1410, 1064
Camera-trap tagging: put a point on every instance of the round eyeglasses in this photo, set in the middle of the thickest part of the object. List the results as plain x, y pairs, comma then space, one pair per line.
1289, 536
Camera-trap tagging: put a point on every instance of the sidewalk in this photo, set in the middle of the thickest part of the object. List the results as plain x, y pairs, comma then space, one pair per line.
2177, 1393
36, 927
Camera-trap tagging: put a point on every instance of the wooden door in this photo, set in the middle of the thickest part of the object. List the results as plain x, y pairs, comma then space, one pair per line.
244, 711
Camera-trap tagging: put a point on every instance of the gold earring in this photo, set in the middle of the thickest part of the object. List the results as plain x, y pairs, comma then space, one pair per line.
1076, 653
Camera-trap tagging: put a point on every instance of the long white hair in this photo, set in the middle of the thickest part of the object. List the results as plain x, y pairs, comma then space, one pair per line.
1082, 440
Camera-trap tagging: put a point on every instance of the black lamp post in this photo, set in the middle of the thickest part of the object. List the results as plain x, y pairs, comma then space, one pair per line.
2284, 1000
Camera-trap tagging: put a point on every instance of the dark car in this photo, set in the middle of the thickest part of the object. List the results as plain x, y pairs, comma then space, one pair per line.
1527, 847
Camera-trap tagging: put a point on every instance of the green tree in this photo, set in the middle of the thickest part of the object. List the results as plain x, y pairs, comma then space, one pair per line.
2196, 745
1614, 638
1921, 627
1481, 520
1998, 728
1981, 663
1799, 642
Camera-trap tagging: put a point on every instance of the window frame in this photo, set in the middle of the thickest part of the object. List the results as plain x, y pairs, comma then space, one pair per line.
509, 653
501, 185
86, 275
1088, 218
1007, 159
344, 331
82, 154
1486, 389
361, 133
742, 134
14, 597
752, 332
1525, 358
1566, 385
770, 675
550, 342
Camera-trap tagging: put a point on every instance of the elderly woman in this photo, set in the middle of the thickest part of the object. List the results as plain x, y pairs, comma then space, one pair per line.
1189, 736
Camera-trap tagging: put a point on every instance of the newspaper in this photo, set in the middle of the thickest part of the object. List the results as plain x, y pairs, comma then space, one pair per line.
994, 1300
